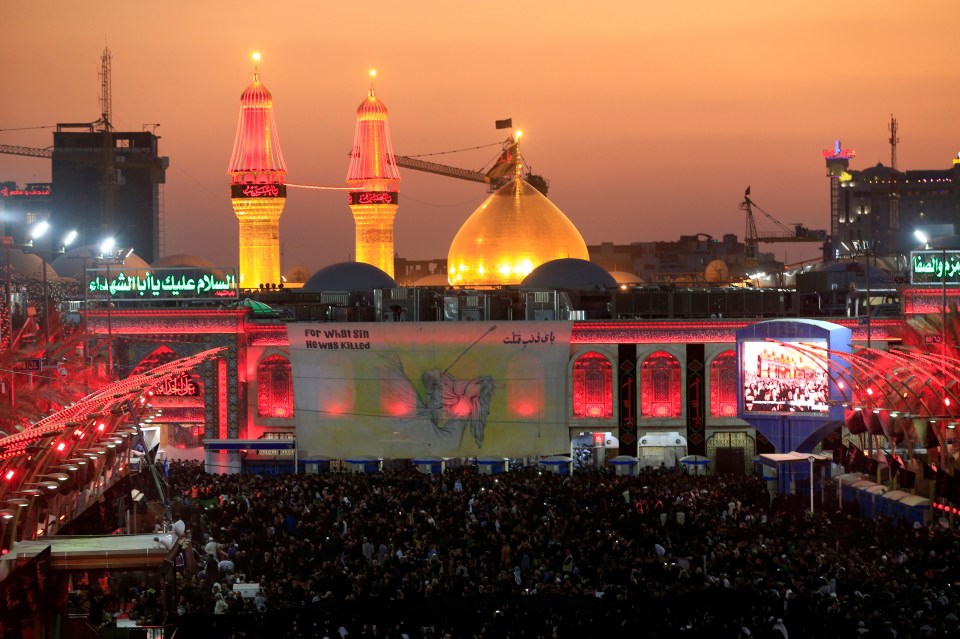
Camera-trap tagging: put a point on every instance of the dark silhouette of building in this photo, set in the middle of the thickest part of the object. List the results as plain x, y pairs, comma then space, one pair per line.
877, 210
107, 184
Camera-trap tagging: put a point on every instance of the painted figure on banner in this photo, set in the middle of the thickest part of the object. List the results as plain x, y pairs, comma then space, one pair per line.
445, 409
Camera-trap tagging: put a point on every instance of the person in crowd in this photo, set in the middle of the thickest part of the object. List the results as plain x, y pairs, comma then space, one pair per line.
659, 554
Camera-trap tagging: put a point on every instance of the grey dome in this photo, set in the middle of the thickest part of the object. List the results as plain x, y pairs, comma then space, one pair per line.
569, 273
28, 264
348, 276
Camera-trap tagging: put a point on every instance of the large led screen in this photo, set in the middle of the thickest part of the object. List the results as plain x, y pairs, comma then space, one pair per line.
784, 377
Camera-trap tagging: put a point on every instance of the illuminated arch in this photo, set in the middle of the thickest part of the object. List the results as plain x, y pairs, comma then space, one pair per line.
723, 385
275, 388
660, 394
592, 387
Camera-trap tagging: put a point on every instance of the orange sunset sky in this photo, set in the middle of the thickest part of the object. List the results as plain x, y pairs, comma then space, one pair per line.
649, 119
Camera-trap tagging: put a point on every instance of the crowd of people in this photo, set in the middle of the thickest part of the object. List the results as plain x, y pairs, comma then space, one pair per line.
534, 554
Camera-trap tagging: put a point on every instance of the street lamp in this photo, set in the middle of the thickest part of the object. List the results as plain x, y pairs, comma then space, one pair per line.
36, 233
923, 239
109, 255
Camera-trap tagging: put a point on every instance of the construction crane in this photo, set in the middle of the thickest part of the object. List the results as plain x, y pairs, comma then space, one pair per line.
110, 156
110, 176
499, 174
799, 233
28, 151
103, 124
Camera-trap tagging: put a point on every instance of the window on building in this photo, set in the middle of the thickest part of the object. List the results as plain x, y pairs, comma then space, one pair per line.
275, 387
660, 386
723, 385
592, 387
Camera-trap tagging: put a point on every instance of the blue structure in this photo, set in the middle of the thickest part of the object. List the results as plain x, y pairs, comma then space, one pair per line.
625, 465
874, 500
492, 465
787, 377
560, 464
368, 465
430, 465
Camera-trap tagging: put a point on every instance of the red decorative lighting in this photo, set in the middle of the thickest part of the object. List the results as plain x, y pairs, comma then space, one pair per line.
723, 385
592, 387
256, 149
660, 386
222, 399
275, 388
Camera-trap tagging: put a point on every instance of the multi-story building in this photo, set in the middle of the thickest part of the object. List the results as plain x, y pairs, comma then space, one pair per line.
107, 183
878, 210
684, 261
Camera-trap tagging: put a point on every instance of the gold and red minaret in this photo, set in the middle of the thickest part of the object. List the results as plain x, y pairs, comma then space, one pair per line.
257, 187
374, 182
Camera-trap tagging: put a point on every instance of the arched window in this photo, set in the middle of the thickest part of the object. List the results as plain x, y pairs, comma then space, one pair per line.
275, 387
592, 387
723, 385
660, 386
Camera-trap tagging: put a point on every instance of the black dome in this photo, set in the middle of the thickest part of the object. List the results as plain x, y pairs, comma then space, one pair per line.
348, 276
569, 273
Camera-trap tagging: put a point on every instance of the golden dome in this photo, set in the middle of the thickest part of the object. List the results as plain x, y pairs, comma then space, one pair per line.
514, 231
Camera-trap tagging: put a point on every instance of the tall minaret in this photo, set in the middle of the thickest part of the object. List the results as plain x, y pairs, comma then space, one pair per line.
373, 180
257, 190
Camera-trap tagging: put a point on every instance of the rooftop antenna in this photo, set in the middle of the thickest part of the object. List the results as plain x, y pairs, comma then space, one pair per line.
893, 142
106, 100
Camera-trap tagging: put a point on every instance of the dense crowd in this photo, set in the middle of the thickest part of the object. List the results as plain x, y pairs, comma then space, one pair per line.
531, 554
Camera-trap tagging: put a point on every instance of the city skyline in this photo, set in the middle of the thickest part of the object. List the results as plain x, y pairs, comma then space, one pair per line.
649, 123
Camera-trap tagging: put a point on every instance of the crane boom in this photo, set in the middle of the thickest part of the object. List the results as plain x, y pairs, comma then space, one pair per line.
799, 233
416, 164
28, 151
497, 176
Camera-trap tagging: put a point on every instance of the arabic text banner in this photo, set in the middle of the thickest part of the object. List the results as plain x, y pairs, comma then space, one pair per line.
409, 390
161, 284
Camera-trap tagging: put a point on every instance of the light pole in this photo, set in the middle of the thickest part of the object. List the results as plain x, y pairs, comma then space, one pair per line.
109, 255
38, 231
922, 237
811, 459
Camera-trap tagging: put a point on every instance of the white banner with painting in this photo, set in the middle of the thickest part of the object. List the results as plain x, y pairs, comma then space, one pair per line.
411, 390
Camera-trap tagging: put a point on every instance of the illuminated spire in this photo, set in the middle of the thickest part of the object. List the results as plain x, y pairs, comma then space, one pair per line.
372, 155
256, 148
374, 182
257, 191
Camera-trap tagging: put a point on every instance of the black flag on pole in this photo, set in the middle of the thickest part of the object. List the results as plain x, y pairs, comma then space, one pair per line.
505, 124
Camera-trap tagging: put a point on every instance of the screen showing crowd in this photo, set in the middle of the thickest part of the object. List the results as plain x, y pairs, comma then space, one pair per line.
784, 377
